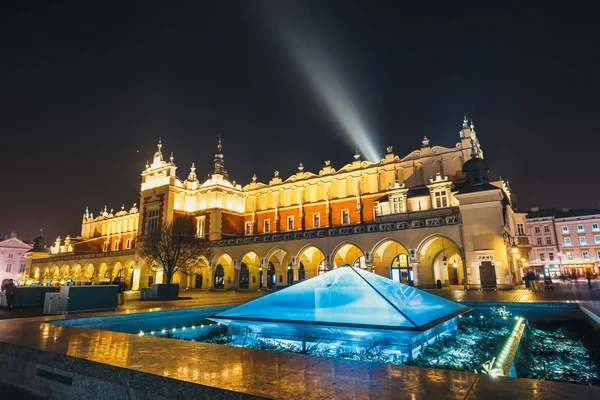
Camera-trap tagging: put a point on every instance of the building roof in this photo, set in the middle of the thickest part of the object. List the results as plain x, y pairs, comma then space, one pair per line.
541, 213
418, 192
563, 213
577, 212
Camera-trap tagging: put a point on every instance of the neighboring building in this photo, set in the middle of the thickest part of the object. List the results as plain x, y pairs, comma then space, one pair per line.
578, 231
104, 250
12, 258
522, 246
564, 241
431, 217
544, 255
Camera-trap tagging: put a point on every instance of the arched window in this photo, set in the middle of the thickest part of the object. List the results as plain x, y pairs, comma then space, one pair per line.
360, 262
271, 276
219, 277
290, 274
301, 272
244, 276
400, 270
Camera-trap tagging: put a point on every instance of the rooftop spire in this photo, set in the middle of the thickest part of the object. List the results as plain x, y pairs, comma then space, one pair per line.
158, 155
474, 152
192, 176
465, 121
219, 161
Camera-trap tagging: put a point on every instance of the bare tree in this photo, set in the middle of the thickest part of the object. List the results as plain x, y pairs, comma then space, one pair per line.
174, 247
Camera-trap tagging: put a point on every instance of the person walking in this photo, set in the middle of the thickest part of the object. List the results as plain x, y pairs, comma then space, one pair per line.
588, 276
119, 282
10, 291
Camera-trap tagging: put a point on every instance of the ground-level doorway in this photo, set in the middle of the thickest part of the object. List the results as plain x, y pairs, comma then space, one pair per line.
487, 275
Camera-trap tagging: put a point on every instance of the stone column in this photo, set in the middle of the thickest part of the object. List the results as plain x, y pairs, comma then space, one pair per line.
415, 270
189, 281
211, 279
265, 275
136, 279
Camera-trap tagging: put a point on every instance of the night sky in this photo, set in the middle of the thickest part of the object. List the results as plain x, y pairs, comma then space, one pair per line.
86, 91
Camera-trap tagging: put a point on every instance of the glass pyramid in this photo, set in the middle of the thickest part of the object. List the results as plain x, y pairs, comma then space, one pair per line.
349, 296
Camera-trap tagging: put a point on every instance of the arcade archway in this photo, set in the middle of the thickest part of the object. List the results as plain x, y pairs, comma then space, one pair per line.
309, 258
440, 263
350, 254
279, 271
391, 259
252, 271
223, 272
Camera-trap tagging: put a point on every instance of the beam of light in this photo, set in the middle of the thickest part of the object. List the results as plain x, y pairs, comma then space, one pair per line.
327, 83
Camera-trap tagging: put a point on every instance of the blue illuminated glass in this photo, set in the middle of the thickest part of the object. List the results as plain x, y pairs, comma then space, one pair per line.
348, 295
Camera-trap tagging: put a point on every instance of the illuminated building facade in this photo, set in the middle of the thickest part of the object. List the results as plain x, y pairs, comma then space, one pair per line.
104, 250
565, 241
12, 258
429, 218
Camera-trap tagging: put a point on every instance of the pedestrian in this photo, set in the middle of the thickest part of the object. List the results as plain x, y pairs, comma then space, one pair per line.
121, 292
10, 291
588, 275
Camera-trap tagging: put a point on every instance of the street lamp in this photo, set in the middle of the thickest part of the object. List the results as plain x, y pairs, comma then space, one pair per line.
515, 250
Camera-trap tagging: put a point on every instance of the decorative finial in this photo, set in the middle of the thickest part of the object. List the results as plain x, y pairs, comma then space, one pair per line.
147, 165
473, 126
254, 178
87, 212
473, 151
389, 149
425, 141
192, 176
122, 206
357, 155
465, 121
300, 167
327, 163
219, 161
159, 145
276, 174
172, 158
105, 208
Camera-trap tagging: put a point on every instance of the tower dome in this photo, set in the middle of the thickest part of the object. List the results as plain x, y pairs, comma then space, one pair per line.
476, 172
39, 243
